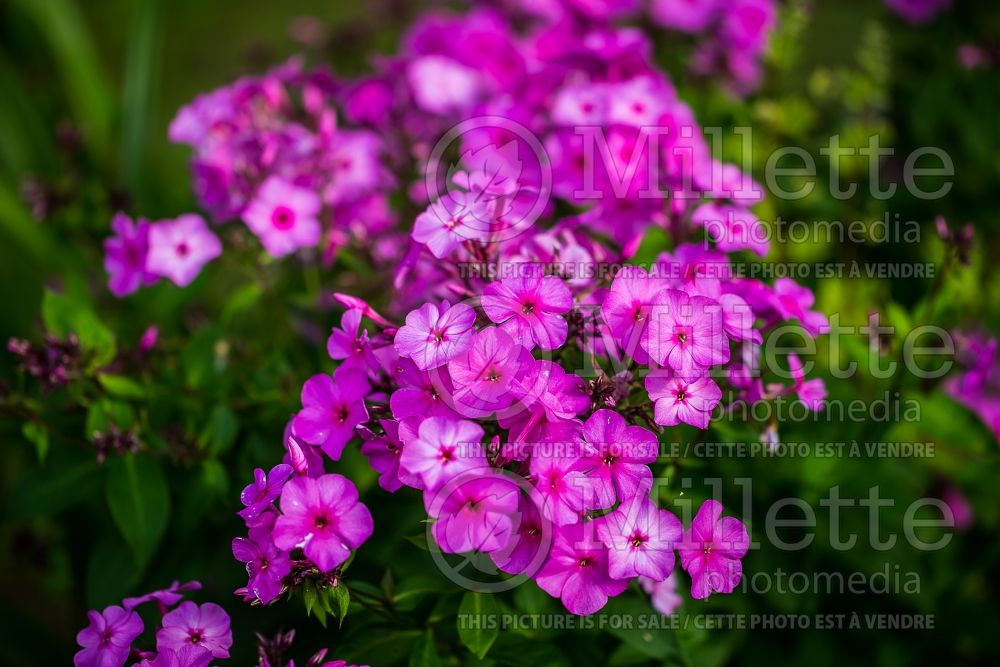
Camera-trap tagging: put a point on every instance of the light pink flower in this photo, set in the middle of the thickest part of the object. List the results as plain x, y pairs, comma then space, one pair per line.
711, 550
178, 249
434, 335
530, 308
680, 399
284, 217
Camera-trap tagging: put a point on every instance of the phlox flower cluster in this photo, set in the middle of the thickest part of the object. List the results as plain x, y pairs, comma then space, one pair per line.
268, 151
521, 391
142, 252
302, 524
189, 635
736, 35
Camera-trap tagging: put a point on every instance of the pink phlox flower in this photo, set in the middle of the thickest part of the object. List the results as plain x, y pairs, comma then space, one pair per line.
167, 597
331, 409
627, 309
265, 489
530, 308
267, 565
107, 639
811, 392
521, 554
711, 550
559, 476
687, 333
179, 248
284, 217
206, 625
443, 449
422, 393
663, 594
483, 374
793, 301
448, 223
434, 335
732, 228
576, 571
189, 655
545, 395
679, 398
125, 256
323, 517
473, 512
384, 452
617, 456
641, 539
349, 342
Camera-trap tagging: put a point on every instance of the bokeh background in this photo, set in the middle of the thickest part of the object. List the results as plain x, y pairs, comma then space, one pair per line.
88, 90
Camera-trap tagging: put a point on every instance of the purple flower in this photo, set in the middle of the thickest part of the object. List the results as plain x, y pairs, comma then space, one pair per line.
530, 308
421, 394
446, 224
284, 217
107, 640
178, 249
686, 333
433, 335
190, 624
266, 564
483, 374
383, 453
663, 594
167, 597
331, 409
617, 456
441, 85
443, 449
641, 539
266, 487
627, 309
563, 487
125, 256
811, 392
685, 15
680, 399
547, 397
349, 343
918, 11
577, 571
474, 513
323, 517
521, 554
711, 550
792, 301
189, 655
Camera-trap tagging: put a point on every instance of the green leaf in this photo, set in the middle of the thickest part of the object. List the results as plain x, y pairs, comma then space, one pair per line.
38, 435
65, 314
103, 413
47, 490
140, 504
477, 626
121, 386
342, 598
220, 433
425, 652
314, 603
110, 572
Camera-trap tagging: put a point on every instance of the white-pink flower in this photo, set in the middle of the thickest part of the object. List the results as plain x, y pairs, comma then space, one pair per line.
679, 399
179, 248
433, 335
284, 217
